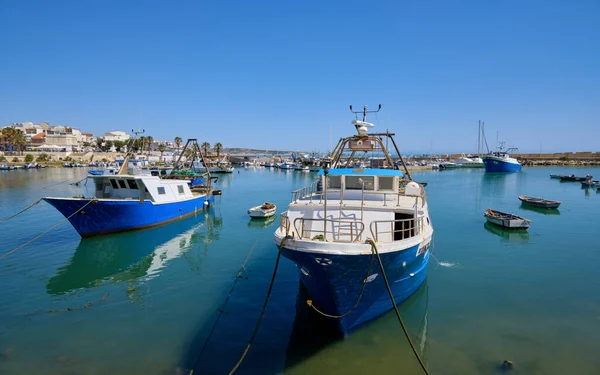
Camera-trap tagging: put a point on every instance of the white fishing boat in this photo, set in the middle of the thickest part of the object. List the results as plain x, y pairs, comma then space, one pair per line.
264, 210
468, 161
333, 229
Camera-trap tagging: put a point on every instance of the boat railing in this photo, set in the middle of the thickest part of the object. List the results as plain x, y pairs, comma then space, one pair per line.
336, 230
396, 230
284, 222
305, 192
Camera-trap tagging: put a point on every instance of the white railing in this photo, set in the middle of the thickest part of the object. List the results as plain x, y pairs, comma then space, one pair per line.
396, 230
335, 230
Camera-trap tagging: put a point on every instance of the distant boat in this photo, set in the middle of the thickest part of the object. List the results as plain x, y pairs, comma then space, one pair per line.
557, 176
468, 161
572, 178
539, 202
588, 184
500, 161
265, 210
506, 220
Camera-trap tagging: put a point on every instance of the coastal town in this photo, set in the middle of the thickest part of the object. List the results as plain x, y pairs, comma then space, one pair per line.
22, 143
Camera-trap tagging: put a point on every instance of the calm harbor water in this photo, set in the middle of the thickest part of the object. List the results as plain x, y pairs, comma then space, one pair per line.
145, 302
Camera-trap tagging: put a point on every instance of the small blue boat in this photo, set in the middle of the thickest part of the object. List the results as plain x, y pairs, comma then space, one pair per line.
500, 161
328, 228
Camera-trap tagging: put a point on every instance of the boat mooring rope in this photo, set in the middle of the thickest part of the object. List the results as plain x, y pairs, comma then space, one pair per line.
389, 289
310, 303
262, 314
48, 231
20, 212
222, 309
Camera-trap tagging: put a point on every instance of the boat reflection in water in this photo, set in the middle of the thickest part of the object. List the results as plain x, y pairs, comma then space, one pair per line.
129, 255
261, 223
512, 235
314, 339
540, 210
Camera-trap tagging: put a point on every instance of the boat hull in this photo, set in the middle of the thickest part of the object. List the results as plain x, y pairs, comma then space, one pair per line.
118, 215
334, 282
497, 164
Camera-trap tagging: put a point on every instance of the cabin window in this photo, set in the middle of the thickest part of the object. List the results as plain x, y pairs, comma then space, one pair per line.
386, 183
180, 189
335, 182
161, 190
132, 184
114, 184
122, 184
356, 182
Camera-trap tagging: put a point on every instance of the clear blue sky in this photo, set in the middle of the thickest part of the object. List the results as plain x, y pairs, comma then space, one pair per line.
279, 74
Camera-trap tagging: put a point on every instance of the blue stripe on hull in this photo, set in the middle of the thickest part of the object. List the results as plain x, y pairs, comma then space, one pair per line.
108, 216
335, 288
496, 165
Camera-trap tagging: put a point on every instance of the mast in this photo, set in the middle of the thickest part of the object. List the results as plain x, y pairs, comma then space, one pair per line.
479, 139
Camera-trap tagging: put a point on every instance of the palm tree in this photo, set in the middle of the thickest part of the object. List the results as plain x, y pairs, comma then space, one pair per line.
218, 148
161, 148
149, 139
178, 141
19, 140
142, 141
205, 146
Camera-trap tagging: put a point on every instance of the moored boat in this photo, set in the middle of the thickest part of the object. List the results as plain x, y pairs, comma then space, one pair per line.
500, 161
572, 178
334, 228
122, 202
469, 161
506, 220
539, 202
264, 210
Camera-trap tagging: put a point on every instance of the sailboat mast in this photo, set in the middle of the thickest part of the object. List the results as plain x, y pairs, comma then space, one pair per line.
479, 139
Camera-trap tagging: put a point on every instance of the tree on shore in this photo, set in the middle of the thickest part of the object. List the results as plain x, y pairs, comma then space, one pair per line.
28, 158
119, 145
218, 148
205, 146
161, 148
178, 141
149, 141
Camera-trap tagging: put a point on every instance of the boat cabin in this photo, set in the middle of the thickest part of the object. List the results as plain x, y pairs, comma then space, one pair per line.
352, 204
142, 187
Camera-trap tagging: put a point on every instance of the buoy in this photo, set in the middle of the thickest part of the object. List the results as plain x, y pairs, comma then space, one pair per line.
206, 203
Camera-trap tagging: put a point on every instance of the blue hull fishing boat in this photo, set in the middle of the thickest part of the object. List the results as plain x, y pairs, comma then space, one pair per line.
339, 229
500, 161
125, 201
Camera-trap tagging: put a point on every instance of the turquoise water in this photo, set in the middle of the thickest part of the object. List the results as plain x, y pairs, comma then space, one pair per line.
145, 302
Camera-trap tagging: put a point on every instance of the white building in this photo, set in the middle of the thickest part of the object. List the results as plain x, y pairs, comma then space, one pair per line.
116, 136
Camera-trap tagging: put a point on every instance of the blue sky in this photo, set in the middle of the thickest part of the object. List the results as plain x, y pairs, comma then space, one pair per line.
280, 74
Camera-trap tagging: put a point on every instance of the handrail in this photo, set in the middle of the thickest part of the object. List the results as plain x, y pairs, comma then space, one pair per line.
284, 222
336, 232
408, 228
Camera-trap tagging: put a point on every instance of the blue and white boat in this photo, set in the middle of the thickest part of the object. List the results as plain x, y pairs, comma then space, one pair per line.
500, 161
326, 228
125, 201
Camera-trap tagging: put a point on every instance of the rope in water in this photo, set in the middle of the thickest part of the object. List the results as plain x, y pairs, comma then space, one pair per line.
389, 289
262, 314
46, 232
222, 309
20, 212
365, 280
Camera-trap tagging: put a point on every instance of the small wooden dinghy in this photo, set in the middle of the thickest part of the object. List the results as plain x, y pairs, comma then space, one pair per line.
539, 202
506, 220
265, 210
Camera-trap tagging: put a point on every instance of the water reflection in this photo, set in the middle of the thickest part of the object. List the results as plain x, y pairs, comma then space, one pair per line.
261, 223
512, 235
540, 210
130, 255
313, 337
